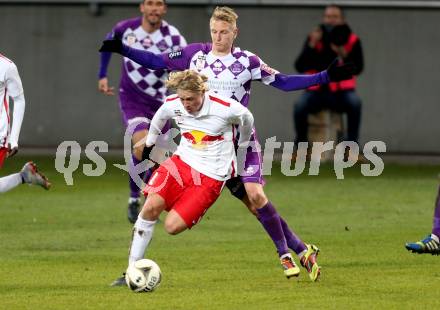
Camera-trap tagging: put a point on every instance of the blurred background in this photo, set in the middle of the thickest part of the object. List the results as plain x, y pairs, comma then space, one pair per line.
55, 46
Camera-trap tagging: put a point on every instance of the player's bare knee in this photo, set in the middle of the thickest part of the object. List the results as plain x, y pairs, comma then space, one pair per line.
150, 212
257, 200
171, 227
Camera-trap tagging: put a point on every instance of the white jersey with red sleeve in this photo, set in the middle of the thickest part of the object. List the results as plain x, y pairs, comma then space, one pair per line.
207, 138
10, 86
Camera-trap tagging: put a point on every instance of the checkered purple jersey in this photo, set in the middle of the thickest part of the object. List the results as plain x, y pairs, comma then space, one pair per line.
142, 83
229, 75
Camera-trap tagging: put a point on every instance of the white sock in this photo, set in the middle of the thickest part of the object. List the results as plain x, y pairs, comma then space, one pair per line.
435, 237
142, 234
300, 255
9, 182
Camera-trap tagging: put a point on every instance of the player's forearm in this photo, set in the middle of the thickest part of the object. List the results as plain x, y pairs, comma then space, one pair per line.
17, 119
296, 82
105, 60
144, 58
245, 129
157, 123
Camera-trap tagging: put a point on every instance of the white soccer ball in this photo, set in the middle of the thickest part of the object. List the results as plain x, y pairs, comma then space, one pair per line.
143, 276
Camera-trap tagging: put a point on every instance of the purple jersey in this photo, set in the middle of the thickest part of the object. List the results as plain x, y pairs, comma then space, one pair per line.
229, 75
140, 83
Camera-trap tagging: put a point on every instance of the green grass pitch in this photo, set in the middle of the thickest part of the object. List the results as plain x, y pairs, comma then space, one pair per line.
61, 249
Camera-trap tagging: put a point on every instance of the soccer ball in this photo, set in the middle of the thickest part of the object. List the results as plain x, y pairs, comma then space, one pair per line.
143, 276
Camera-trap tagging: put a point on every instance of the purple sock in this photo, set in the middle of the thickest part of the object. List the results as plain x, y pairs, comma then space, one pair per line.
293, 241
270, 220
436, 221
134, 189
147, 176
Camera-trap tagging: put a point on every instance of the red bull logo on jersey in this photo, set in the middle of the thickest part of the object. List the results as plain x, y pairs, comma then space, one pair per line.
200, 139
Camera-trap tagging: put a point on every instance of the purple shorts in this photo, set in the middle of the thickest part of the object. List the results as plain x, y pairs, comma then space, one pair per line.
135, 109
253, 167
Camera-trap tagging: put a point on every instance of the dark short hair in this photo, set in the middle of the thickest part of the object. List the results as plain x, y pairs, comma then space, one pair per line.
332, 5
164, 2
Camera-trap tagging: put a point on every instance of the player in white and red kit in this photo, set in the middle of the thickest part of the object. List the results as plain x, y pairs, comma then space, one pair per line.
10, 86
189, 182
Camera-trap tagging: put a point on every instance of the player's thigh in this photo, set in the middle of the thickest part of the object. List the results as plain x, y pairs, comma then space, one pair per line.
166, 184
252, 169
174, 223
154, 205
197, 199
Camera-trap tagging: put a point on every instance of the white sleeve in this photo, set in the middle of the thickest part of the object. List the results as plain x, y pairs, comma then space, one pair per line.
158, 122
243, 117
260, 70
15, 90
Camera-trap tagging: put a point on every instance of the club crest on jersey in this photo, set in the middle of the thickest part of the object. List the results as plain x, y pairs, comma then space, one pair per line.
175, 54
179, 120
130, 39
236, 67
147, 42
200, 62
217, 66
250, 170
200, 139
268, 69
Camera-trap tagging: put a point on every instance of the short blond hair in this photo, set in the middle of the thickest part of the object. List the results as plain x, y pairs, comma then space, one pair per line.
225, 14
188, 80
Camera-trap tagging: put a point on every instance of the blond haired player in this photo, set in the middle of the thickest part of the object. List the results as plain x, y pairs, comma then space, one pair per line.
230, 71
10, 86
190, 181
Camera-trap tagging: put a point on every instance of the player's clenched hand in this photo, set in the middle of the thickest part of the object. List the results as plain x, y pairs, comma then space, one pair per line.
113, 46
146, 155
104, 88
12, 150
342, 72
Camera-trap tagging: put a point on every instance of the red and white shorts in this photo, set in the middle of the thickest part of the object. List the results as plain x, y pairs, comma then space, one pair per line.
3, 155
185, 190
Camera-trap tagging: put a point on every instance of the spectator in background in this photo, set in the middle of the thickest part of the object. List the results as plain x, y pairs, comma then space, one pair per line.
332, 39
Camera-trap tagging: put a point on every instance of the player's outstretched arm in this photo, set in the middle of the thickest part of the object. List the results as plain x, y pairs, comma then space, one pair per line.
144, 58
333, 73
